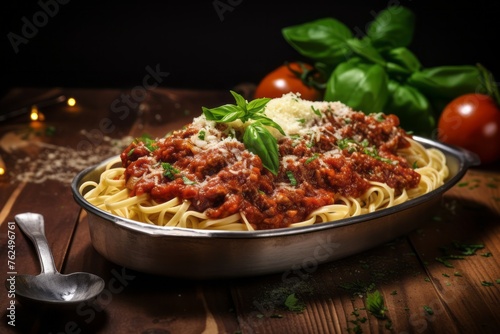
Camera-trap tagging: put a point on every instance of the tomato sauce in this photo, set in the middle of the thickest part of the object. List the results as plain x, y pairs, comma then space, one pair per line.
221, 177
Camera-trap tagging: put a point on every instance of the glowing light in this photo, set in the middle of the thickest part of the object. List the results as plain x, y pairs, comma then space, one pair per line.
34, 115
2, 167
71, 102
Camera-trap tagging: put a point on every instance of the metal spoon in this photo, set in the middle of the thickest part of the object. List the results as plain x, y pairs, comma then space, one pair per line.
50, 286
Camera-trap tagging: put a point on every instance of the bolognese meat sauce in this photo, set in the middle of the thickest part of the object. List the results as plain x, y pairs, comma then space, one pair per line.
207, 164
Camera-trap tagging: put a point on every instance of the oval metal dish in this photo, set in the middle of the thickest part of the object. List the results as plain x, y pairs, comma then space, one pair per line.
202, 254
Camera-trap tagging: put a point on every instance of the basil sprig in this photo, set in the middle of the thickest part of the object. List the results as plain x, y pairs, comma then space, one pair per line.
256, 138
376, 72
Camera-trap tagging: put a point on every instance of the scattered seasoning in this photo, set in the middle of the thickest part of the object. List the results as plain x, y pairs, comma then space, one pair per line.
497, 281
487, 254
356, 322
444, 261
65, 161
284, 297
394, 293
446, 275
456, 273
486, 283
358, 287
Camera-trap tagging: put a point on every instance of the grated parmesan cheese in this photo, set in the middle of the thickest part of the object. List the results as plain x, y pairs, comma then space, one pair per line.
297, 116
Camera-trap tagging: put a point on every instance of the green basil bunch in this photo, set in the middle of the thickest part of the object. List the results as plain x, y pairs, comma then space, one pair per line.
377, 72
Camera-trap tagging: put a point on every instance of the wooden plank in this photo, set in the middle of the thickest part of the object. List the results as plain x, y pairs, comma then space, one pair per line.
334, 296
469, 216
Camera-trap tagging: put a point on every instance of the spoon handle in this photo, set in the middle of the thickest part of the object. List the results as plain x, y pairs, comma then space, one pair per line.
33, 226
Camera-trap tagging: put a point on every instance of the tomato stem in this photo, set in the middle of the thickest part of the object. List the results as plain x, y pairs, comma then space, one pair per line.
490, 84
306, 75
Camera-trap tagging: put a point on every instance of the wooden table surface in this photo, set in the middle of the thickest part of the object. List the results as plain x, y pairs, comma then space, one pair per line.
421, 292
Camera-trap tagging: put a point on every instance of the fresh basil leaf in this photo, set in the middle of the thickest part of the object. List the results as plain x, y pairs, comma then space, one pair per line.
232, 116
392, 27
257, 105
447, 81
322, 40
269, 122
256, 138
240, 100
261, 142
218, 113
403, 57
361, 86
365, 50
412, 108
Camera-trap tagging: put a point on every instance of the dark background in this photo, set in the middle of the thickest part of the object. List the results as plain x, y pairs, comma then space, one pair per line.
103, 44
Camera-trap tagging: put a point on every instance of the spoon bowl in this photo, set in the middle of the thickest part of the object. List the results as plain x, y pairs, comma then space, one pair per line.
50, 286
58, 288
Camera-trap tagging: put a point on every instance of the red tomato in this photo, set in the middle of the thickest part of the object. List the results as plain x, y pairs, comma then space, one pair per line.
472, 121
293, 77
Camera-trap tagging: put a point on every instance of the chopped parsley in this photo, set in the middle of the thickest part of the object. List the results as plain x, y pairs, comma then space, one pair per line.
463, 250
148, 142
311, 159
316, 111
375, 304
292, 303
170, 171
345, 143
428, 310
187, 180
201, 134
291, 177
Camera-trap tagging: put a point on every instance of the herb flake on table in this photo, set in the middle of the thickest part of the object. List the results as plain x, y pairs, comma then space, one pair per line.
375, 304
487, 283
428, 310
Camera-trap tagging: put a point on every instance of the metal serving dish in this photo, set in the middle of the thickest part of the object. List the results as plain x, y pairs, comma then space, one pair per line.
201, 254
